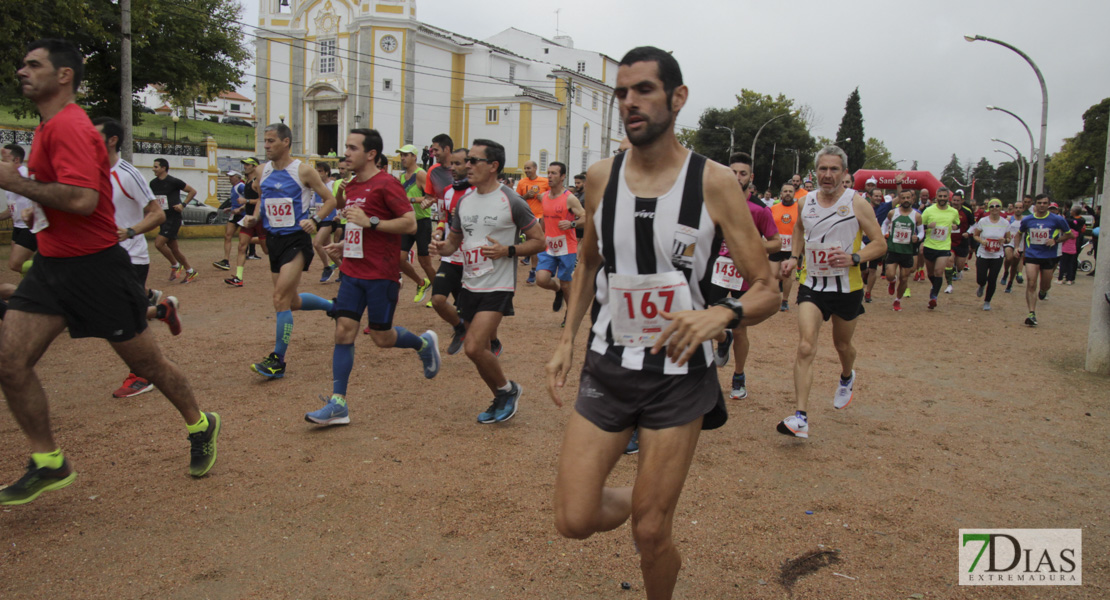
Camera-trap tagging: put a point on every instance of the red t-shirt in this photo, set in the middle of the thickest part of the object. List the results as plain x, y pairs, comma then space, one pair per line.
380, 196
68, 150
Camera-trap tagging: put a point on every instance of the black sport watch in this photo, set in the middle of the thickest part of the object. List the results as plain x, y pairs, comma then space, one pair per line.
855, 259
374, 221
736, 307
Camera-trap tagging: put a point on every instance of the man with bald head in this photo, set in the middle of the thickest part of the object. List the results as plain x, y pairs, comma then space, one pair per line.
530, 188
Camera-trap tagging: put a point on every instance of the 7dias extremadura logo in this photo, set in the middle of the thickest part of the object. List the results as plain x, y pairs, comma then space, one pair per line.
1021, 557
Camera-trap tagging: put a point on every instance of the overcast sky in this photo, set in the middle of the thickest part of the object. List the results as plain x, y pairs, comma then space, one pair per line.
923, 88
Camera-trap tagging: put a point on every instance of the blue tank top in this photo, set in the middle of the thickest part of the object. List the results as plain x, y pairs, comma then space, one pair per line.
286, 201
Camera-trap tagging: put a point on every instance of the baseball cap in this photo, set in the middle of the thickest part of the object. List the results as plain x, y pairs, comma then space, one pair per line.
959, 193
407, 149
250, 160
871, 180
1054, 205
236, 173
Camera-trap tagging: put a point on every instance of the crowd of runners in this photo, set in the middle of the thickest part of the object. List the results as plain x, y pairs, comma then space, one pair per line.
669, 252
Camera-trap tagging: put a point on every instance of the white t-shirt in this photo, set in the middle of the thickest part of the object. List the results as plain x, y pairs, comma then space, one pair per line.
993, 235
131, 194
500, 215
17, 203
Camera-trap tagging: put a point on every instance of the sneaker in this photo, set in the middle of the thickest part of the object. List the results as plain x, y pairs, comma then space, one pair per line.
174, 271
891, 287
867, 297
510, 403
254, 257
202, 450
633, 446
1031, 320
907, 294
36, 481
986, 306
429, 304
531, 278
234, 282
739, 388
720, 357
132, 386
979, 292
1008, 290
223, 265
367, 330
1020, 279
785, 306
557, 304
948, 290
843, 395
457, 340
334, 412
171, 319
958, 275
1042, 295
326, 275
795, 426
490, 414
526, 260
430, 354
154, 297
932, 303
190, 275
495, 347
897, 306
421, 290
271, 367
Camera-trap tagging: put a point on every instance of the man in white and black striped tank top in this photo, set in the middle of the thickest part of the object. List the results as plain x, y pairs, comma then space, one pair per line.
828, 244
652, 219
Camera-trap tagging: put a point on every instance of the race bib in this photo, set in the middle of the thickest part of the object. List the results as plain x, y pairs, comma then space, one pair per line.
279, 211
726, 275
903, 233
787, 241
163, 202
990, 245
475, 264
817, 260
557, 246
1039, 236
352, 241
41, 221
939, 234
638, 301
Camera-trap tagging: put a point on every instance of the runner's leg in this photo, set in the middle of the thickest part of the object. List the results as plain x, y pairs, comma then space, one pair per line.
809, 326
479, 331
23, 340
583, 504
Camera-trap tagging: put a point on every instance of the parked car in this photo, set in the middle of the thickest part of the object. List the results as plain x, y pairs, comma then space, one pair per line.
197, 212
237, 121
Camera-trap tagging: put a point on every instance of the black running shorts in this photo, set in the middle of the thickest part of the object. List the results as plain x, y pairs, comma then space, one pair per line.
448, 280
615, 398
23, 237
170, 228
932, 255
846, 305
902, 260
98, 295
1046, 264
963, 248
471, 303
422, 238
285, 248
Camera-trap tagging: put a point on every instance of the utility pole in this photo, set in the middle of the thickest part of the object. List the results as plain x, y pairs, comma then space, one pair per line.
127, 143
570, 109
1098, 335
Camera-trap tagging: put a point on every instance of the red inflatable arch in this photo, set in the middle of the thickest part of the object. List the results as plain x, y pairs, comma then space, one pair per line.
914, 180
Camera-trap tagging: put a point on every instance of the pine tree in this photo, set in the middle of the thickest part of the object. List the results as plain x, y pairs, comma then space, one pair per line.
850, 135
952, 174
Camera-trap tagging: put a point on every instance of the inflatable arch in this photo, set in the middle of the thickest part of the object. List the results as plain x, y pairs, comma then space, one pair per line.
914, 180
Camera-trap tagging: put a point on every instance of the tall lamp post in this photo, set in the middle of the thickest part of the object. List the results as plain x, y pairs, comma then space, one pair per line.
1023, 169
1044, 102
175, 134
1032, 148
760, 130
731, 139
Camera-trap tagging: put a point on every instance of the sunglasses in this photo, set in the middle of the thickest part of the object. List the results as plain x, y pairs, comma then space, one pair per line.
471, 160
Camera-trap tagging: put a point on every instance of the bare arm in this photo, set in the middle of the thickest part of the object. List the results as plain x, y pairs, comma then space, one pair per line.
876, 246
312, 179
153, 216
58, 196
190, 193
575, 208
404, 224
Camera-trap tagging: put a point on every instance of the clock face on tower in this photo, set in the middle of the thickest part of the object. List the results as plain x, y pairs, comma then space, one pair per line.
388, 43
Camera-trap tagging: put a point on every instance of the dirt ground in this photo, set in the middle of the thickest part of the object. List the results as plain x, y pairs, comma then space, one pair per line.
962, 419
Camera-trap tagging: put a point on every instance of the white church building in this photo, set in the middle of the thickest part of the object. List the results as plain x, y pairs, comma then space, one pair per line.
327, 66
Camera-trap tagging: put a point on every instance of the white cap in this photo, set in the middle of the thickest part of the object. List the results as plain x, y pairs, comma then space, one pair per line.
235, 173
871, 180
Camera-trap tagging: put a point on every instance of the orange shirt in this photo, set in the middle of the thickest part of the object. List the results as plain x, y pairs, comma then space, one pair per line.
555, 210
785, 219
537, 186
800, 193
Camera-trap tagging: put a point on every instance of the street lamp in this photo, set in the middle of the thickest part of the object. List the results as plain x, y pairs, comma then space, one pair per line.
175, 134
282, 119
1021, 171
731, 138
1032, 148
1044, 102
760, 130
1021, 164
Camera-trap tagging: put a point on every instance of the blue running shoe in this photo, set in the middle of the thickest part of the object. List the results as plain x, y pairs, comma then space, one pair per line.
430, 354
633, 446
490, 414
271, 367
531, 277
334, 412
326, 275
509, 404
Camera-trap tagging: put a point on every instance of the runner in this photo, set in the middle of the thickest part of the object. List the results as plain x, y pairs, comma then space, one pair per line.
485, 225
136, 212
1016, 246
992, 232
919, 262
449, 276
415, 180
961, 242
23, 241
785, 214
439, 180
882, 208
903, 231
378, 212
167, 189
530, 187
82, 279
286, 187
254, 234
726, 281
236, 213
652, 248
324, 230
1042, 232
939, 220
832, 223
561, 210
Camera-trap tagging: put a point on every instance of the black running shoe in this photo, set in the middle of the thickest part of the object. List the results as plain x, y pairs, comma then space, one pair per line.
36, 481
558, 303
1031, 320
495, 347
222, 265
457, 341
271, 367
202, 447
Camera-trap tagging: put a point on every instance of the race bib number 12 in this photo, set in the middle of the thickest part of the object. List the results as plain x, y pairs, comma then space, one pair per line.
817, 260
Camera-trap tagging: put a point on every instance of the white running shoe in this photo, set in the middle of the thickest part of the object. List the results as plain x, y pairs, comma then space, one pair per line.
795, 426
948, 290
844, 392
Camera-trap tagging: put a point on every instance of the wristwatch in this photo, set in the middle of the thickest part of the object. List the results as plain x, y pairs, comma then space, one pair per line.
736, 307
855, 259
130, 233
512, 251
374, 221
315, 219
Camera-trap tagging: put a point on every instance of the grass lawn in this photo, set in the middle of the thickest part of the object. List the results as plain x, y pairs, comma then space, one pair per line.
150, 127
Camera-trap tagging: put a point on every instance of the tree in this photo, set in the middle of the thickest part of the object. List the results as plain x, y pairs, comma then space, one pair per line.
1081, 160
186, 45
983, 175
778, 142
850, 134
876, 156
952, 174
1006, 182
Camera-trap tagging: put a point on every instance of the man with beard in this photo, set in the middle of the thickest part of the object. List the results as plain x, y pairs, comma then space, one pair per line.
882, 209
961, 241
939, 219
448, 279
904, 231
